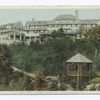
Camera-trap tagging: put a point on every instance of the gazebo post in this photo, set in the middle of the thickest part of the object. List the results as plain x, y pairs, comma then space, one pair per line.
90, 71
78, 77
67, 73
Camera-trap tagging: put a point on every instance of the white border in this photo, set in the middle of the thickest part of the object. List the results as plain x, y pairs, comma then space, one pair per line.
49, 92
89, 6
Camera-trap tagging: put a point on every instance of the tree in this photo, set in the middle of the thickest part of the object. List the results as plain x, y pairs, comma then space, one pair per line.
59, 33
94, 36
39, 80
5, 65
94, 33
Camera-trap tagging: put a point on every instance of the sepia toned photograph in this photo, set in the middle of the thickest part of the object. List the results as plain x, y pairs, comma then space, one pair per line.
50, 49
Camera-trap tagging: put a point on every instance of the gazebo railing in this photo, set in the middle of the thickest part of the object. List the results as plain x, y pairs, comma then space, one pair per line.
74, 73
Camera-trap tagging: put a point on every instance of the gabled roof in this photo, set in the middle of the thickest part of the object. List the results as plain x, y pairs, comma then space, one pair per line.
78, 58
13, 25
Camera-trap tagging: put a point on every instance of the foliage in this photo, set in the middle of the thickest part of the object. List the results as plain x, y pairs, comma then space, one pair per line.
5, 65
94, 33
58, 33
44, 59
96, 80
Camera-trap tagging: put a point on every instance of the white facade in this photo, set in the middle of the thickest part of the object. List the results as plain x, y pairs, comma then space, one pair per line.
12, 38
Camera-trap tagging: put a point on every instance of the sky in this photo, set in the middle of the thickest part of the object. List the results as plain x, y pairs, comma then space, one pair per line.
15, 15
11, 15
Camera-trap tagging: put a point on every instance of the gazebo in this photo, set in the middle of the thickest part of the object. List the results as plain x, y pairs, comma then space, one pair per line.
79, 70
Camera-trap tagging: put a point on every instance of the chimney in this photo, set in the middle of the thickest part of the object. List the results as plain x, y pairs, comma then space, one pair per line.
76, 14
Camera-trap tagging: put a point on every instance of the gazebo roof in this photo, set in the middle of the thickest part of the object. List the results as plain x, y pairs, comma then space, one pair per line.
78, 58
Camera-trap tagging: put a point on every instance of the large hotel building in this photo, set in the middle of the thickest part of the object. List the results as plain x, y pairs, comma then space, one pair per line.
15, 33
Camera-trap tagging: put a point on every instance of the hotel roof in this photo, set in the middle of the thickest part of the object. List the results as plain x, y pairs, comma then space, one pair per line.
36, 23
65, 17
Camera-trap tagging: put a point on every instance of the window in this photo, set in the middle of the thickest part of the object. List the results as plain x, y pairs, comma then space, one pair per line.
37, 36
32, 37
17, 36
11, 36
27, 37
22, 37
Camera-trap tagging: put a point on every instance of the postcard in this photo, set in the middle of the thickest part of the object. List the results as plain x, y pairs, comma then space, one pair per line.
50, 49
